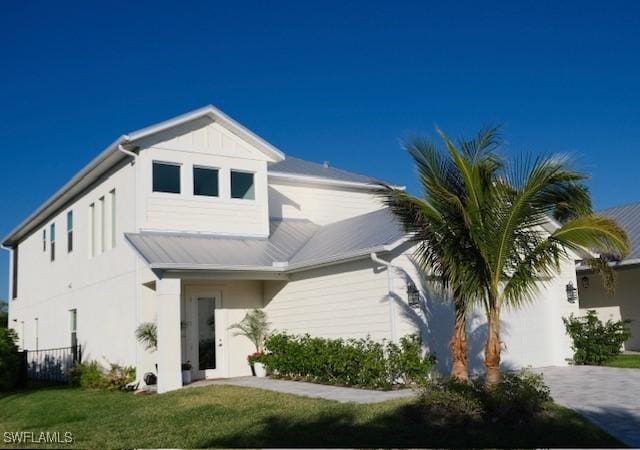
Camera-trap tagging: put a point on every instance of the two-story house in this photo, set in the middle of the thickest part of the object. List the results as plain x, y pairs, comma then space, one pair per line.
193, 222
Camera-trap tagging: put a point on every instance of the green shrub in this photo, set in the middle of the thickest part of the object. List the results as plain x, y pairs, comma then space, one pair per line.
353, 362
595, 342
517, 397
448, 402
91, 376
9, 359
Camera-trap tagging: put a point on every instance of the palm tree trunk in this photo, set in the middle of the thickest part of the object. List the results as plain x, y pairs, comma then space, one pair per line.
492, 348
459, 353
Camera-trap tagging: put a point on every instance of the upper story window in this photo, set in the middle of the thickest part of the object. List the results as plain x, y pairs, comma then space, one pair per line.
44, 240
92, 230
70, 231
166, 177
52, 241
112, 196
14, 273
242, 185
205, 181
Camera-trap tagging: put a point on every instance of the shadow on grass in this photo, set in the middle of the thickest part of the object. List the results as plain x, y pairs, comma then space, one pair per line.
407, 427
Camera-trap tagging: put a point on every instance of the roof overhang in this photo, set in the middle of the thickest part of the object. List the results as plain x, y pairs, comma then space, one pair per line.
318, 181
112, 155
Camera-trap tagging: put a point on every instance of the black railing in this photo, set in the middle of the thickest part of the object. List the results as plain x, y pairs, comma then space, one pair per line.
50, 365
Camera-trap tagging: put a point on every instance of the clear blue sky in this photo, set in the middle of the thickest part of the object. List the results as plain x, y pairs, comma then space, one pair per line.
336, 82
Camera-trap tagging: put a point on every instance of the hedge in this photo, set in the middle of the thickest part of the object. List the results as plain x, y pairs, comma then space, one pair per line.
352, 362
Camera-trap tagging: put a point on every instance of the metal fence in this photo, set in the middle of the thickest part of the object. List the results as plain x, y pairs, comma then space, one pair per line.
49, 365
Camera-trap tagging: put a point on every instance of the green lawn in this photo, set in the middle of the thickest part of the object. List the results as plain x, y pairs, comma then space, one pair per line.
626, 361
228, 416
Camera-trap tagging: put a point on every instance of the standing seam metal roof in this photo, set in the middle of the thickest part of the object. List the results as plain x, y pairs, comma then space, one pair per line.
292, 244
628, 217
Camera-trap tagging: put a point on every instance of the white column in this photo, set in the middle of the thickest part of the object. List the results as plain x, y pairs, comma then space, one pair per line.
169, 348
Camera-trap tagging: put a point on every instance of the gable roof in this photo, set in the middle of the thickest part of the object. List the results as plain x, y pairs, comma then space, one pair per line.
297, 166
293, 244
628, 217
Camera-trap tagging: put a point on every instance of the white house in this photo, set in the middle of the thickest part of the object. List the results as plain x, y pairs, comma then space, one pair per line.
192, 222
625, 303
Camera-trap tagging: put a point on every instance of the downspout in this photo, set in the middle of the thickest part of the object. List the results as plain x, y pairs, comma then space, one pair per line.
136, 306
392, 301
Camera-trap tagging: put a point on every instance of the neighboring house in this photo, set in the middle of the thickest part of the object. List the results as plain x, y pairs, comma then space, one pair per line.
193, 222
625, 303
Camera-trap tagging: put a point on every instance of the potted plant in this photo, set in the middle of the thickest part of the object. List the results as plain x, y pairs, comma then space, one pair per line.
257, 366
255, 327
186, 372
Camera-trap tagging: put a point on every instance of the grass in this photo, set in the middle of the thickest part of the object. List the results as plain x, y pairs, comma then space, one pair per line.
229, 416
626, 361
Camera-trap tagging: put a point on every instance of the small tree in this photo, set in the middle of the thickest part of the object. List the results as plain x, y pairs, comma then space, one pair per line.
254, 326
595, 342
147, 335
9, 359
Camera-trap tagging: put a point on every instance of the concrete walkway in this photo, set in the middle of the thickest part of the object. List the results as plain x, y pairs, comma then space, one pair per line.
339, 394
608, 396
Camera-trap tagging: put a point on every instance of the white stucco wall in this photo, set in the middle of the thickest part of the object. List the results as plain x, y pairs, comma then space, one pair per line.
624, 304
100, 288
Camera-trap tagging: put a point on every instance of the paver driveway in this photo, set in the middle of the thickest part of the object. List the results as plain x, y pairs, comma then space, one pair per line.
608, 396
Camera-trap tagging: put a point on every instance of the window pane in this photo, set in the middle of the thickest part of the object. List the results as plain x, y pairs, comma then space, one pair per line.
166, 178
92, 230
242, 185
113, 219
44, 240
14, 278
205, 181
103, 226
52, 237
70, 231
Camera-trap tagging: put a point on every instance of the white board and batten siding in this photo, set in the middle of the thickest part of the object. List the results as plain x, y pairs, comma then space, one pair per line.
210, 146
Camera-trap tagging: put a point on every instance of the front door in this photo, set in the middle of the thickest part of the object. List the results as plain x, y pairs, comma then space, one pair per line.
205, 338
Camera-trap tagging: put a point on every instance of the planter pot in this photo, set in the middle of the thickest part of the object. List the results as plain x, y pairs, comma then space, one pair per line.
260, 370
186, 377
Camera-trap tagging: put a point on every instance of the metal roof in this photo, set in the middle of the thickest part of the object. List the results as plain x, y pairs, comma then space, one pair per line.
628, 217
297, 166
292, 244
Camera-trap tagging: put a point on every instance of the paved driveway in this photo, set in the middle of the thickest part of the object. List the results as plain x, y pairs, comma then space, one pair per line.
608, 396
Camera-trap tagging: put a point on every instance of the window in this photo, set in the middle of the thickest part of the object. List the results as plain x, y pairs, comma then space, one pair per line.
112, 195
14, 273
52, 241
70, 231
205, 181
44, 240
73, 323
92, 230
166, 178
103, 225
242, 185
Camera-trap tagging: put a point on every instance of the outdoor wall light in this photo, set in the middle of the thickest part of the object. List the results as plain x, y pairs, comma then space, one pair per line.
413, 294
585, 282
572, 293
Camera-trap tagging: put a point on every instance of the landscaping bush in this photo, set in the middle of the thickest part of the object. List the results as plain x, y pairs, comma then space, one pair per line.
595, 342
90, 375
517, 398
449, 402
9, 359
353, 362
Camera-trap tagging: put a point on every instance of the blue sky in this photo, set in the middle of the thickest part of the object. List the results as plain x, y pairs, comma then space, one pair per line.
337, 81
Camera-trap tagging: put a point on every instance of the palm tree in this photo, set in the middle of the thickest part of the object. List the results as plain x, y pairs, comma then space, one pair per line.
437, 225
482, 227
507, 226
255, 327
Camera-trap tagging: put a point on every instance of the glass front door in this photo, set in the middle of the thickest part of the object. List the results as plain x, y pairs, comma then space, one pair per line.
206, 333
